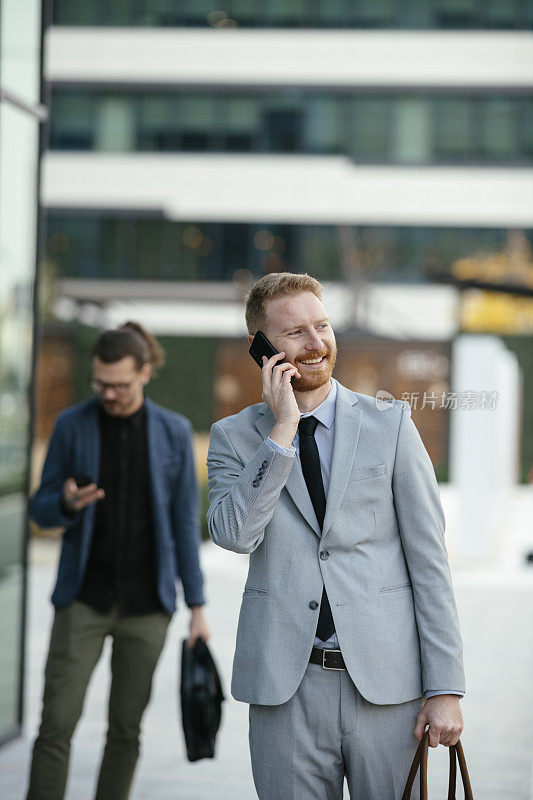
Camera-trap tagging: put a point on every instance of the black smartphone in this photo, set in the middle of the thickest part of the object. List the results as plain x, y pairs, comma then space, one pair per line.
262, 347
82, 480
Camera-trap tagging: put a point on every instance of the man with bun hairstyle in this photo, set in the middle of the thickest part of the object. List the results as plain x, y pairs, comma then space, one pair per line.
119, 478
348, 643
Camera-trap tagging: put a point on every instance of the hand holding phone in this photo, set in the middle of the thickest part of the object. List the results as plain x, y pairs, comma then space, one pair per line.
79, 491
277, 390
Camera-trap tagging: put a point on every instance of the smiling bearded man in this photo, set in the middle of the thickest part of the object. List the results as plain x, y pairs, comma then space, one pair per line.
348, 620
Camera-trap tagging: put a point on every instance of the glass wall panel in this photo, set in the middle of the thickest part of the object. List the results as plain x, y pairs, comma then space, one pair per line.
453, 129
20, 32
467, 14
370, 133
374, 13
323, 130
242, 123
158, 123
412, 133
526, 129
19, 152
455, 14
18, 167
502, 13
415, 128
115, 125
76, 119
104, 246
498, 130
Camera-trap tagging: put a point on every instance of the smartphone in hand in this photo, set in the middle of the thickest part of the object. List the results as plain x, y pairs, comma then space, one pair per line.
82, 480
260, 347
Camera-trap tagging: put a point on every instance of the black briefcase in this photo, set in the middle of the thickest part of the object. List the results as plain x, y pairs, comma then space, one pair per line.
201, 699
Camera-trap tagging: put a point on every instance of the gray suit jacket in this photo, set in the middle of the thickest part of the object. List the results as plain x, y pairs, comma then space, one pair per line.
387, 575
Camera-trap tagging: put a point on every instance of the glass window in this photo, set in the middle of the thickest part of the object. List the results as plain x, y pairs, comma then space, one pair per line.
159, 123
116, 12
199, 12
282, 119
193, 244
455, 13
18, 205
388, 127
323, 130
20, 31
501, 14
73, 245
452, 129
416, 14
374, 13
411, 136
197, 114
247, 12
145, 247
242, 124
526, 128
160, 13
498, 130
68, 13
72, 121
285, 13
369, 129
318, 252
331, 13
115, 124
20, 25
299, 13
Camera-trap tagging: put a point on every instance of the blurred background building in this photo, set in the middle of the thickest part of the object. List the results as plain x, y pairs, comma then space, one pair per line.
385, 146
20, 116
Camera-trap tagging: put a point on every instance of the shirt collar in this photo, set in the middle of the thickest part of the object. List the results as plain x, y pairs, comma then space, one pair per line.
325, 412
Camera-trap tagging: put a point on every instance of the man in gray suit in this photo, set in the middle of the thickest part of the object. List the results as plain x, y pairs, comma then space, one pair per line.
348, 643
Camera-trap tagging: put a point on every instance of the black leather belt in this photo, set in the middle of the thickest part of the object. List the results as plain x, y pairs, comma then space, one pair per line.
327, 658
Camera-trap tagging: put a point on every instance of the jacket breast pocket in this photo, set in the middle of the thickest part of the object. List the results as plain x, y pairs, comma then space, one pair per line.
400, 587
250, 591
366, 473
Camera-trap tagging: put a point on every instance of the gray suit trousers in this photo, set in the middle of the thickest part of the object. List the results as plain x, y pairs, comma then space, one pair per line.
302, 749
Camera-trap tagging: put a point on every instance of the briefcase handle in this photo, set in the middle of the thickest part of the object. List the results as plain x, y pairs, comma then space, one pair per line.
421, 761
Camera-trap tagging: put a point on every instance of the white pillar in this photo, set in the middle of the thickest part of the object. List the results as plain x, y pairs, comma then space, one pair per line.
484, 443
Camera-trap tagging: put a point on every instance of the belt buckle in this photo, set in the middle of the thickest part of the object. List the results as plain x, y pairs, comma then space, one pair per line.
332, 669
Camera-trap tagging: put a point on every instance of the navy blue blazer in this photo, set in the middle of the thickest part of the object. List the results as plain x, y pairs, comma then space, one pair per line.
75, 448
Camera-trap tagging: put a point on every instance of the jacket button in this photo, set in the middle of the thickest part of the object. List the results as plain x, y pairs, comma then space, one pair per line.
313, 605
324, 555
255, 484
264, 465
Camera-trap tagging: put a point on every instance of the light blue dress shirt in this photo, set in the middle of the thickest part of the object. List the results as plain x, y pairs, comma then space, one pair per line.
324, 437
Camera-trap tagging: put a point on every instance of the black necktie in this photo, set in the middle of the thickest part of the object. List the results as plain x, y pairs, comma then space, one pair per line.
313, 478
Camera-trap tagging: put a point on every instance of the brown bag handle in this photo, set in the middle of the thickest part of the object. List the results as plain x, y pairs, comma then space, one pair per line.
420, 760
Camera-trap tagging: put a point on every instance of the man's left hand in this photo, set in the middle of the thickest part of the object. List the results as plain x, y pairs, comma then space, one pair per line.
443, 714
198, 628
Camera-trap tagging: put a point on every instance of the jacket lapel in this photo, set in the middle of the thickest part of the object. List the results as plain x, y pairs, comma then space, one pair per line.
347, 428
153, 460
91, 440
295, 484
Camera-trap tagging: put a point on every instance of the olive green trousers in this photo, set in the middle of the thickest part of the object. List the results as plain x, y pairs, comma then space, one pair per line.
78, 636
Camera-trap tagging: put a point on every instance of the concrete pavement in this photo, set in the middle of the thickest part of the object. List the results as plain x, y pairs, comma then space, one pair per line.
496, 611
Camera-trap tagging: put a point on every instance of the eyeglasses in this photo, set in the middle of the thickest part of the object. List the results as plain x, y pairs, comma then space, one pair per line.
99, 386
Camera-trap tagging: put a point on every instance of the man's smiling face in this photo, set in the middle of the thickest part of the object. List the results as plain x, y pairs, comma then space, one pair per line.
298, 325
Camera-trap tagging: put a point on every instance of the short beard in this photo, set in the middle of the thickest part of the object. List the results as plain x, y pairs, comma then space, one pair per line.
316, 379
